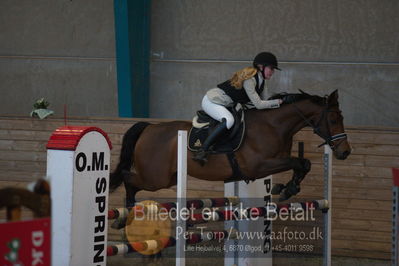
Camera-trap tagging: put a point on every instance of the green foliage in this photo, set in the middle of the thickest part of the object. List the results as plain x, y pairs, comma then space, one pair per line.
41, 104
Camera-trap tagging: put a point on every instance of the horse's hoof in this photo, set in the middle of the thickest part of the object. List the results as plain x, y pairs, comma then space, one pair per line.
277, 188
284, 195
293, 188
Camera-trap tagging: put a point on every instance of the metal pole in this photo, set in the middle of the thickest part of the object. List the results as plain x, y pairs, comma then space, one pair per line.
327, 163
181, 196
395, 217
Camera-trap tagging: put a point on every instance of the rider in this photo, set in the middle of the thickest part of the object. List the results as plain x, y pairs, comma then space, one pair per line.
247, 86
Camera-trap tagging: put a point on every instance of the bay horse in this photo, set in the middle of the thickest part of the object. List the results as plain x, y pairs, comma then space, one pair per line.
151, 149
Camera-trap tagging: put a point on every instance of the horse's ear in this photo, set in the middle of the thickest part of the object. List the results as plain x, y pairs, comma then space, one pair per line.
333, 98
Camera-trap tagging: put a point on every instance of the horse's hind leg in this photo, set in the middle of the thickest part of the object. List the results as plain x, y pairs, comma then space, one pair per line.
130, 195
130, 199
301, 167
129, 180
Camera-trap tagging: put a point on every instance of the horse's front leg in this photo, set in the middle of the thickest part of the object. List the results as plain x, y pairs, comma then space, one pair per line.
301, 167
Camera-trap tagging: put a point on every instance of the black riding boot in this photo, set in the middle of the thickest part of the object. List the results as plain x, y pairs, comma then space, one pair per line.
200, 156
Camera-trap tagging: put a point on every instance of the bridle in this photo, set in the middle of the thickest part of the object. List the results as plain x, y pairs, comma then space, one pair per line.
328, 139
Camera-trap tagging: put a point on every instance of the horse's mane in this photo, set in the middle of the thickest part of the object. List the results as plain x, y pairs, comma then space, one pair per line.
296, 97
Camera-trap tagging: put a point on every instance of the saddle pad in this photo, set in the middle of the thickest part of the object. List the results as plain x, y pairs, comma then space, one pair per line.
228, 143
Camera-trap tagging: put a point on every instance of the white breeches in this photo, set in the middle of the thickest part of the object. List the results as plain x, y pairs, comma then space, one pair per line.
217, 112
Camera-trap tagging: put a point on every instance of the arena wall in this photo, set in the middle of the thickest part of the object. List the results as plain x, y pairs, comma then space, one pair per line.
361, 184
322, 46
62, 51
65, 52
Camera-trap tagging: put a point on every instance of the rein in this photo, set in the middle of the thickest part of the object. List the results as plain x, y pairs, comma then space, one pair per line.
316, 128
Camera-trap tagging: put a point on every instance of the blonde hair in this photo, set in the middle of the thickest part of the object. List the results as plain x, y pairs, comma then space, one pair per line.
241, 75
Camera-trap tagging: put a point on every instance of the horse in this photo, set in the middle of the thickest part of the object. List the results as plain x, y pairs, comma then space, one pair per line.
151, 149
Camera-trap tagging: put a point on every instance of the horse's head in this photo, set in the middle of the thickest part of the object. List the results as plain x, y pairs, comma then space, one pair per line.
328, 124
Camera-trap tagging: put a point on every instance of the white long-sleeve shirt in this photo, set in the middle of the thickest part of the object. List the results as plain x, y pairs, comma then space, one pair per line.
218, 96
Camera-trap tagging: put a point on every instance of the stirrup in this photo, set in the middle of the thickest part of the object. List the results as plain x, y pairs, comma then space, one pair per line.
200, 157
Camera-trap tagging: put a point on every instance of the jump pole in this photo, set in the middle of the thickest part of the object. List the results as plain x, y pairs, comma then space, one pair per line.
259, 190
181, 196
78, 164
327, 170
395, 217
262, 188
257, 193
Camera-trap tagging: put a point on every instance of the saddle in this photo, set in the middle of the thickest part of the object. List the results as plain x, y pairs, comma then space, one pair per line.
203, 125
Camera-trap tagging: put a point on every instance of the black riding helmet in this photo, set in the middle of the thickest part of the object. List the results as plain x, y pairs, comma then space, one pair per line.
265, 59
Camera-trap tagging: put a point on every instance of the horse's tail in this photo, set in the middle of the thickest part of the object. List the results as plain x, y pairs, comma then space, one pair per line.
127, 154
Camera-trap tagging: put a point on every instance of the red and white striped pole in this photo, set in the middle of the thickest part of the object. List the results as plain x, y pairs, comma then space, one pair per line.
395, 217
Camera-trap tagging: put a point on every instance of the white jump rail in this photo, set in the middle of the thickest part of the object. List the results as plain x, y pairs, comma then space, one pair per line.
261, 190
395, 217
181, 196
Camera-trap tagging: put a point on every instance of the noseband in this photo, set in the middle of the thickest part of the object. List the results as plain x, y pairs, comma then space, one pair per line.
316, 127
